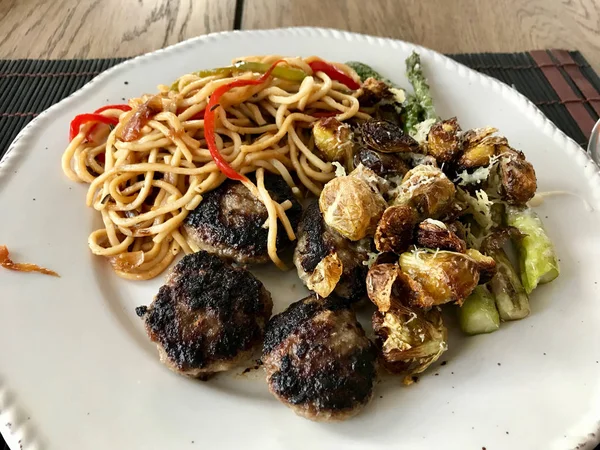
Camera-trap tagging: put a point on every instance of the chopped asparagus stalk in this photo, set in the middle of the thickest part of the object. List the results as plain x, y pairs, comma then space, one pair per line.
537, 257
420, 86
511, 299
478, 313
411, 114
364, 71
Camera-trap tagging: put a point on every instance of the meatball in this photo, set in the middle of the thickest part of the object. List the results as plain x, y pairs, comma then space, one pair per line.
318, 360
208, 317
318, 251
229, 221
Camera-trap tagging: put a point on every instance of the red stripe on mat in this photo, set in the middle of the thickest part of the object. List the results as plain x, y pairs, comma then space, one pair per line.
586, 88
565, 93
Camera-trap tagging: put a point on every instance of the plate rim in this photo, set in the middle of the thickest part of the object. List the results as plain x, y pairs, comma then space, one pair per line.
588, 433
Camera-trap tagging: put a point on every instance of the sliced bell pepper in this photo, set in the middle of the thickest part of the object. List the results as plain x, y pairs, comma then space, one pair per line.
121, 107
334, 73
210, 117
285, 73
82, 119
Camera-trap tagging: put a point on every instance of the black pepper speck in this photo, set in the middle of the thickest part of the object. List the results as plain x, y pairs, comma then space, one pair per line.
499, 364
126, 82
444, 363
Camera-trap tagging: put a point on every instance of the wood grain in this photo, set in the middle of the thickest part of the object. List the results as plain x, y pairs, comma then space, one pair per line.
105, 28
449, 26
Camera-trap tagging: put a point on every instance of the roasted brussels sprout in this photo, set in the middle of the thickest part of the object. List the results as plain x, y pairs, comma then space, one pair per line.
394, 231
434, 234
517, 177
479, 147
410, 340
352, 204
373, 91
427, 189
390, 288
445, 276
443, 141
386, 137
383, 164
333, 138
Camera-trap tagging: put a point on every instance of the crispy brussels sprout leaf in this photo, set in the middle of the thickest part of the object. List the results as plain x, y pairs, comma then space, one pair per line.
445, 276
394, 231
410, 340
352, 204
390, 288
486, 265
434, 234
326, 275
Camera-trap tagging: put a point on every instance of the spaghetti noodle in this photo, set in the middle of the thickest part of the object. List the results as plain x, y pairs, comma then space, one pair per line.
148, 163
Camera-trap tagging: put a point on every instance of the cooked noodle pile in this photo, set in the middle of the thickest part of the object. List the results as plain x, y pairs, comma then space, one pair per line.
145, 187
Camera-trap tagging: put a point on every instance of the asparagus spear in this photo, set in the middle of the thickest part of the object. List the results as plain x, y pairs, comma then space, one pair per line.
478, 313
364, 71
420, 86
511, 299
537, 257
411, 114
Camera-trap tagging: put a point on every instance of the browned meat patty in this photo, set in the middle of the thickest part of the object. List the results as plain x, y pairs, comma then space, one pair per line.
318, 360
229, 221
208, 317
316, 240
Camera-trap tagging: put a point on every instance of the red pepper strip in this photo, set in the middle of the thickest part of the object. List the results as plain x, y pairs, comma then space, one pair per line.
104, 108
121, 107
209, 121
82, 119
334, 73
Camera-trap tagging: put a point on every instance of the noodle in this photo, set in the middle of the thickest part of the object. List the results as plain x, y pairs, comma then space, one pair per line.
145, 187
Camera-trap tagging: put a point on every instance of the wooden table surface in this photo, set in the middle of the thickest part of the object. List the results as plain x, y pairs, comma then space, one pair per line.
108, 28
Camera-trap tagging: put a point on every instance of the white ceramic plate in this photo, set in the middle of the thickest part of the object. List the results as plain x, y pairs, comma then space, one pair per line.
77, 371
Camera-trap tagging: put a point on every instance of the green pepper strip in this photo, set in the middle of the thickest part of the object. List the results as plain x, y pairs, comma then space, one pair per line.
283, 72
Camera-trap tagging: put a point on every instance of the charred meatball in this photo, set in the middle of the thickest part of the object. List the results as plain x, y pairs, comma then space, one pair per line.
208, 317
318, 360
229, 221
328, 262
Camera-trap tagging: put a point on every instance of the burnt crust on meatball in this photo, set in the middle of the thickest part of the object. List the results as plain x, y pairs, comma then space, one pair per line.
316, 241
229, 221
208, 317
313, 225
318, 360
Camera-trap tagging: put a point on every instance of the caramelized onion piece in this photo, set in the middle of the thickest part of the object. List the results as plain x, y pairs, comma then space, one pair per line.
127, 261
139, 118
8, 263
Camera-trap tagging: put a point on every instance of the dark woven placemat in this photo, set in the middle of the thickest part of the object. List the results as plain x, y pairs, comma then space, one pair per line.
561, 83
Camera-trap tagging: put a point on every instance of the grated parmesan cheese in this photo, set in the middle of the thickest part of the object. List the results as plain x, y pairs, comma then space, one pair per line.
422, 130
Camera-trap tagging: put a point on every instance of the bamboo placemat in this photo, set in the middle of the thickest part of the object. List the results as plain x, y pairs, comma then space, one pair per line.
561, 83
